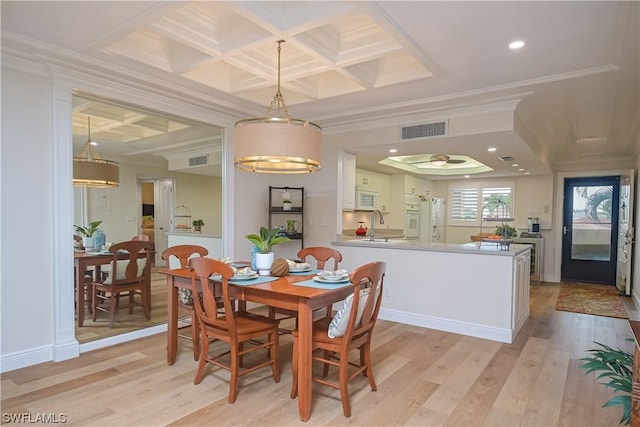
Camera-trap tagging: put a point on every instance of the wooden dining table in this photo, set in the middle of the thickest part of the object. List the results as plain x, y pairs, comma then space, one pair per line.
280, 293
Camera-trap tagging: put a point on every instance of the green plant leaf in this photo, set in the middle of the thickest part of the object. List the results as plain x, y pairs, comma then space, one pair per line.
266, 239
616, 372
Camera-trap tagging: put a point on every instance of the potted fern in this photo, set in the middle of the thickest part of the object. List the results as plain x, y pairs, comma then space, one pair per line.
616, 368
263, 242
87, 233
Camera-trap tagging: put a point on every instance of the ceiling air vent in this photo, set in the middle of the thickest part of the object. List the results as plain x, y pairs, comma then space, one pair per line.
425, 130
507, 158
199, 160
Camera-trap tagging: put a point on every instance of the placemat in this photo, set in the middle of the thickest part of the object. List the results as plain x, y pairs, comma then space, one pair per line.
304, 273
313, 284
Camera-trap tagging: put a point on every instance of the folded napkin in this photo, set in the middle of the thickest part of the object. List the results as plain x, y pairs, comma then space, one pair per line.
246, 271
329, 274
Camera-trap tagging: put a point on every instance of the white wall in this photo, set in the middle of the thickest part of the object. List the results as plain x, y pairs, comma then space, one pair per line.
25, 224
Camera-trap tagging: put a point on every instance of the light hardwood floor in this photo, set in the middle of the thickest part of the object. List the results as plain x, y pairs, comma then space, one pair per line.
425, 378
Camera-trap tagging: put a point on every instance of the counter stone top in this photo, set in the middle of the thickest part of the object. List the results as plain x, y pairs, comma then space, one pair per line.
185, 234
486, 248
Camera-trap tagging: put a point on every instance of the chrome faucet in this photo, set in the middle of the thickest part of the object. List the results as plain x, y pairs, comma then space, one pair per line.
372, 235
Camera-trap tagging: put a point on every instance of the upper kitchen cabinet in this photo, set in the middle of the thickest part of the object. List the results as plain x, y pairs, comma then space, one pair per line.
376, 182
409, 184
348, 162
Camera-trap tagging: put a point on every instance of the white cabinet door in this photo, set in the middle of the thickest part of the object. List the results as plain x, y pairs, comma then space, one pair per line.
365, 180
521, 285
348, 181
410, 184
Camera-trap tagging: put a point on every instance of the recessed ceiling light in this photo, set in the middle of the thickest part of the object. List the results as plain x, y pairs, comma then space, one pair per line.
491, 149
515, 165
466, 176
520, 169
527, 173
393, 150
517, 44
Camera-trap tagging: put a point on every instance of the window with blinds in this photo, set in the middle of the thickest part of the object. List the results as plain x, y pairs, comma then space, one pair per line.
466, 202
463, 204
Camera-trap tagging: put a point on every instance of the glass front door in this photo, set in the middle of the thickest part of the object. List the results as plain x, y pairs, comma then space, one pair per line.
590, 229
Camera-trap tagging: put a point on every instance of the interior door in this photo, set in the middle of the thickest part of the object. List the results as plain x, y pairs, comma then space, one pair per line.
625, 234
164, 202
590, 229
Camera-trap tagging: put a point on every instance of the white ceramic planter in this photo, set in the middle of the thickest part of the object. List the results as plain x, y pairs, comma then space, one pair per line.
264, 262
286, 206
87, 242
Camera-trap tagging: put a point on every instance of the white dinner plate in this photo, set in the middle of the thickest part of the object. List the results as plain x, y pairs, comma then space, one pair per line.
99, 253
299, 269
244, 276
343, 279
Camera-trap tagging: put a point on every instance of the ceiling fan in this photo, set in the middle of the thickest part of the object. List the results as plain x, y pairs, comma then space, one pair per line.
439, 160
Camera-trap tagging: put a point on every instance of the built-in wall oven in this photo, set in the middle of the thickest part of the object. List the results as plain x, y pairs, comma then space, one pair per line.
412, 216
412, 224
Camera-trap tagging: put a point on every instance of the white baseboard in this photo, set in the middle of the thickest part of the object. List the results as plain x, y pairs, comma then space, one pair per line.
43, 354
447, 325
24, 358
118, 339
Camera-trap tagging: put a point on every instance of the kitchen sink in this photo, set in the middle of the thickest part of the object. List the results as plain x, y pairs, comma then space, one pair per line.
383, 240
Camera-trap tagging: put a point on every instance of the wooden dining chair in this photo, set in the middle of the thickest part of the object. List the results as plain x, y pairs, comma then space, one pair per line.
182, 253
351, 328
239, 329
322, 255
127, 277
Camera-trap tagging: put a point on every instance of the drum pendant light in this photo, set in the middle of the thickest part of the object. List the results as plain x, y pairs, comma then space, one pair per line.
89, 170
277, 143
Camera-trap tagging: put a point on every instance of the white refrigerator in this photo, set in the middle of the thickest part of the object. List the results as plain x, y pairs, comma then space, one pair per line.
432, 219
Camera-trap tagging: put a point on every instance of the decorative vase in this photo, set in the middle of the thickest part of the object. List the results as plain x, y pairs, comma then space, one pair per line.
197, 228
264, 262
291, 227
88, 243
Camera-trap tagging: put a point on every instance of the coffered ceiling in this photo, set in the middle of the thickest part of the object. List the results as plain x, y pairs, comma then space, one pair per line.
572, 92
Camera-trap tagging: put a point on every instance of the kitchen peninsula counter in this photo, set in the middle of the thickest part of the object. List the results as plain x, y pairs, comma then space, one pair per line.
461, 288
212, 242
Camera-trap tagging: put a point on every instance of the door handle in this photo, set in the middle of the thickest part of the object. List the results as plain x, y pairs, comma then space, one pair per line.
564, 229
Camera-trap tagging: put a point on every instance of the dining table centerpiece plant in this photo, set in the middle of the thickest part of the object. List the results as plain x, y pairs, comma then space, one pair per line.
264, 242
616, 367
87, 233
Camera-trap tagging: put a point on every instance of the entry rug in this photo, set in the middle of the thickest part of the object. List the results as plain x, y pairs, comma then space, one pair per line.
599, 300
